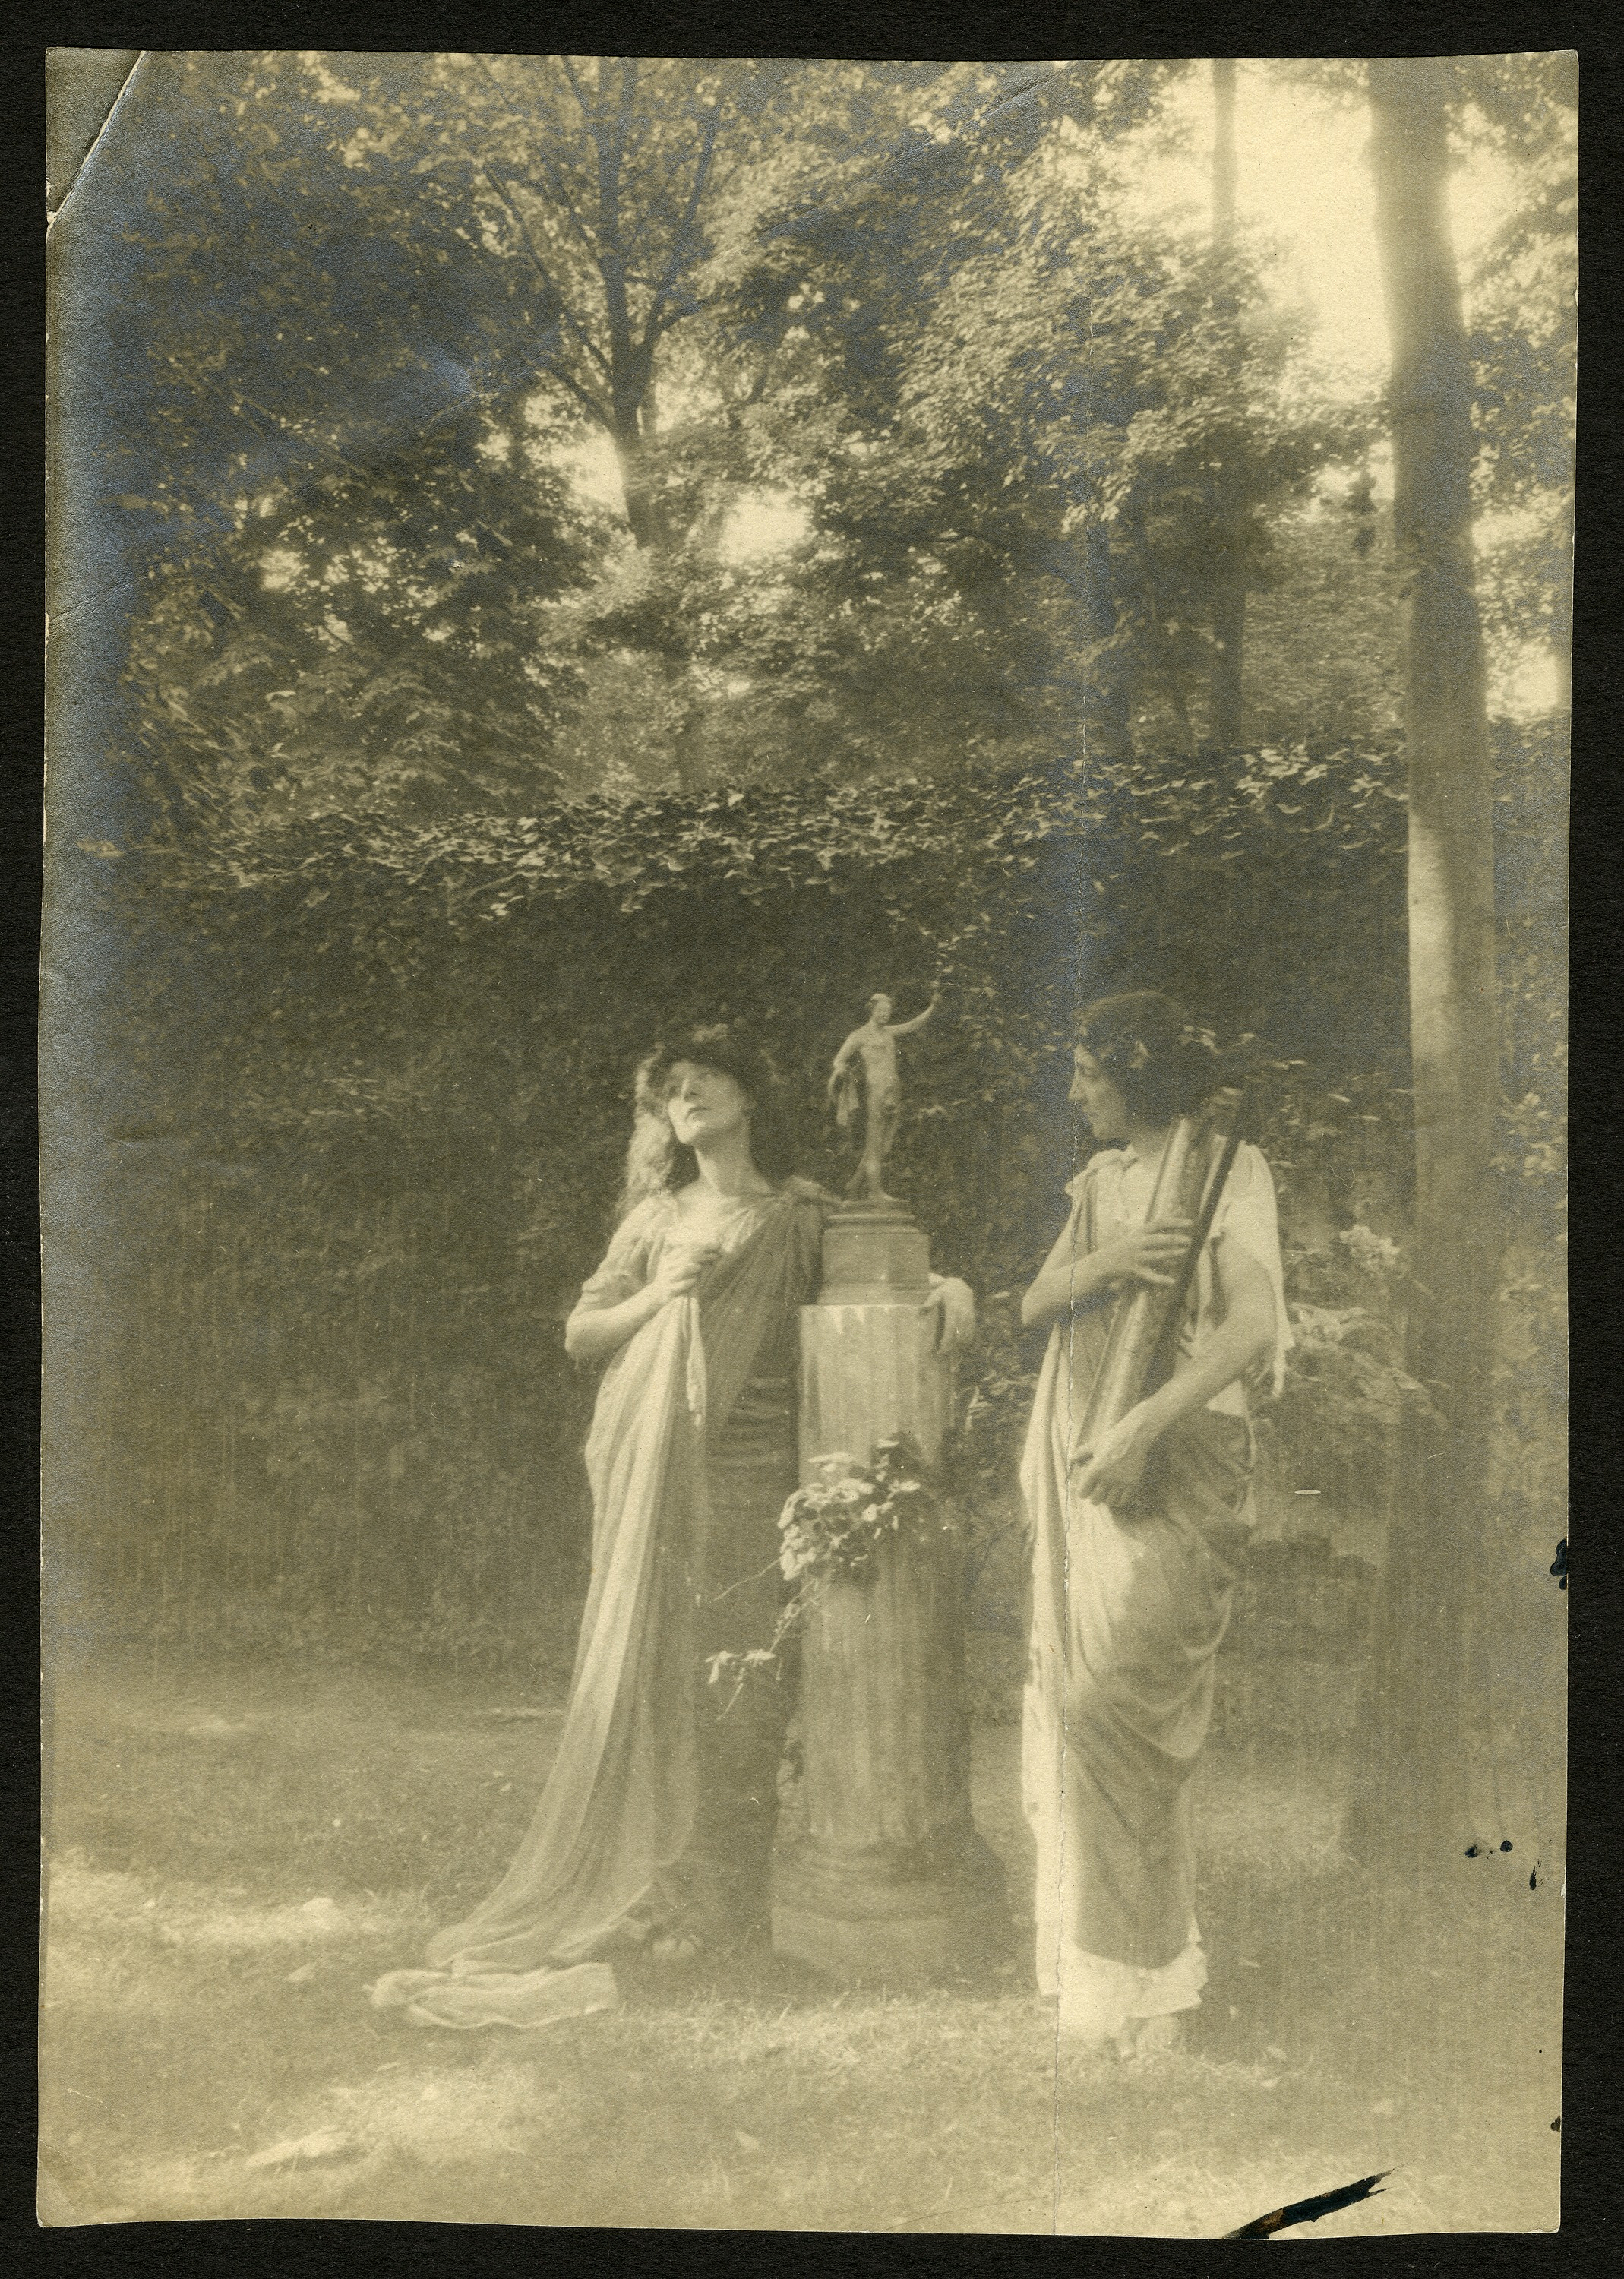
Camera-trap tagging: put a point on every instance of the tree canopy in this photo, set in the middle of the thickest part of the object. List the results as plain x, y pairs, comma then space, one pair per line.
612, 531
390, 305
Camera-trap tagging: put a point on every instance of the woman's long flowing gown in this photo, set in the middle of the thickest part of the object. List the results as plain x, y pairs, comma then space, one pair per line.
660, 1806
1127, 1616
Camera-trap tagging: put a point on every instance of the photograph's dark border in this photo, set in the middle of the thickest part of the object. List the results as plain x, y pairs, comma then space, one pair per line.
1593, 2205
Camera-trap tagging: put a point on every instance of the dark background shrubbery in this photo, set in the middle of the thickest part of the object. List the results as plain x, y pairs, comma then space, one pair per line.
367, 1105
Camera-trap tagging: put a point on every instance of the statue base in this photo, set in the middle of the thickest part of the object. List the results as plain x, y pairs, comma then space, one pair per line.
893, 1922
875, 1253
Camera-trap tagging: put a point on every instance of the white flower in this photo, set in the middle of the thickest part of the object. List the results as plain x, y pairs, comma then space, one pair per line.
1371, 1252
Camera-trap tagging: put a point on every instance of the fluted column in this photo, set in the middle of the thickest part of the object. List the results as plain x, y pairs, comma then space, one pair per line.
891, 1881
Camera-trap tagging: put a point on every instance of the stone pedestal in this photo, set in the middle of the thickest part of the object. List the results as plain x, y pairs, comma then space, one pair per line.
891, 1882
873, 1254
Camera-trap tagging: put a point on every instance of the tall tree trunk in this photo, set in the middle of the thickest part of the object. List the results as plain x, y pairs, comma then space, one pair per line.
630, 364
1430, 1709
644, 519
1226, 713
1562, 617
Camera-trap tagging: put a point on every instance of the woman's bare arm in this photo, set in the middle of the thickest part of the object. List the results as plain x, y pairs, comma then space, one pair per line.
1147, 1253
1067, 1277
593, 1333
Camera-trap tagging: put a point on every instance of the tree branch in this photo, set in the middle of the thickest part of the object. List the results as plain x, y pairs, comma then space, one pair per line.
583, 396
679, 242
557, 186
554, 185
564, 308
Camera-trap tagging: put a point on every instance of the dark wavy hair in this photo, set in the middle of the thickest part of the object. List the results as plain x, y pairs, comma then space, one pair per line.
1163, 1066
656, 1160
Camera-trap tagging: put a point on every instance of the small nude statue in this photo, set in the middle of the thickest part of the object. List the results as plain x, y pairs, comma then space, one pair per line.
875, 1043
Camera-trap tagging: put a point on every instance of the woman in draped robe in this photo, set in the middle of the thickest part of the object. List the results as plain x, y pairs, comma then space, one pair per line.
1136, 1540
656, 1826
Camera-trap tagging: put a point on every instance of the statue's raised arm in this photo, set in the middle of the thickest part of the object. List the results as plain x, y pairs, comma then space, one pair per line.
906, 1028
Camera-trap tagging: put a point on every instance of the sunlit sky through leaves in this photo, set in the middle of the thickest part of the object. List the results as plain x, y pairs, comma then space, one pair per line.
1304, 194
1305, 186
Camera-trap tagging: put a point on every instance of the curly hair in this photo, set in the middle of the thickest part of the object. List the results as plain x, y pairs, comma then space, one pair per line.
1163, 1066
655, 1160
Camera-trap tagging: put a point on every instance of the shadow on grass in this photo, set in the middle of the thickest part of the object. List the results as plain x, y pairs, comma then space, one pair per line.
242, 1850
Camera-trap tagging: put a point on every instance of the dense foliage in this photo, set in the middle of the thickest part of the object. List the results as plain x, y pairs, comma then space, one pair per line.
999, 421
374, 1104
1008, 430
469, 733
1524, 309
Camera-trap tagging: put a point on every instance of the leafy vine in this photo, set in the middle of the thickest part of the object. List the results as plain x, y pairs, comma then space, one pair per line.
832, 1530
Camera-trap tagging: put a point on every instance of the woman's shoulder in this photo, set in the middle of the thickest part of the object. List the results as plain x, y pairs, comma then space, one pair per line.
625, 1260
1107, 1160
647, 1212
1248, 1199
1250, 1173
797, 1190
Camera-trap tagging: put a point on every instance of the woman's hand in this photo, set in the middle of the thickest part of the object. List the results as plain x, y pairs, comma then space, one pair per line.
1110, 1471
953, 1304
595, 1332
1150, 1254
679, 1269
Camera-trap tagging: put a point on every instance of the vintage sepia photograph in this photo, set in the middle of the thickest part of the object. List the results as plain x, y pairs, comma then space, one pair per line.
802, 1096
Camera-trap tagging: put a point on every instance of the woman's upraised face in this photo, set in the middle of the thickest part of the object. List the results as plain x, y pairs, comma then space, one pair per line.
704, 1104
1098, 1098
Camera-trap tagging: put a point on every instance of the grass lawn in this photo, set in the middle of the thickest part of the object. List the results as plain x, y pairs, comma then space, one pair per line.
238, 1851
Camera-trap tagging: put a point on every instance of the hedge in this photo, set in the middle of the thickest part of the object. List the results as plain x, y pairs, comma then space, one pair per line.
365, 1102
